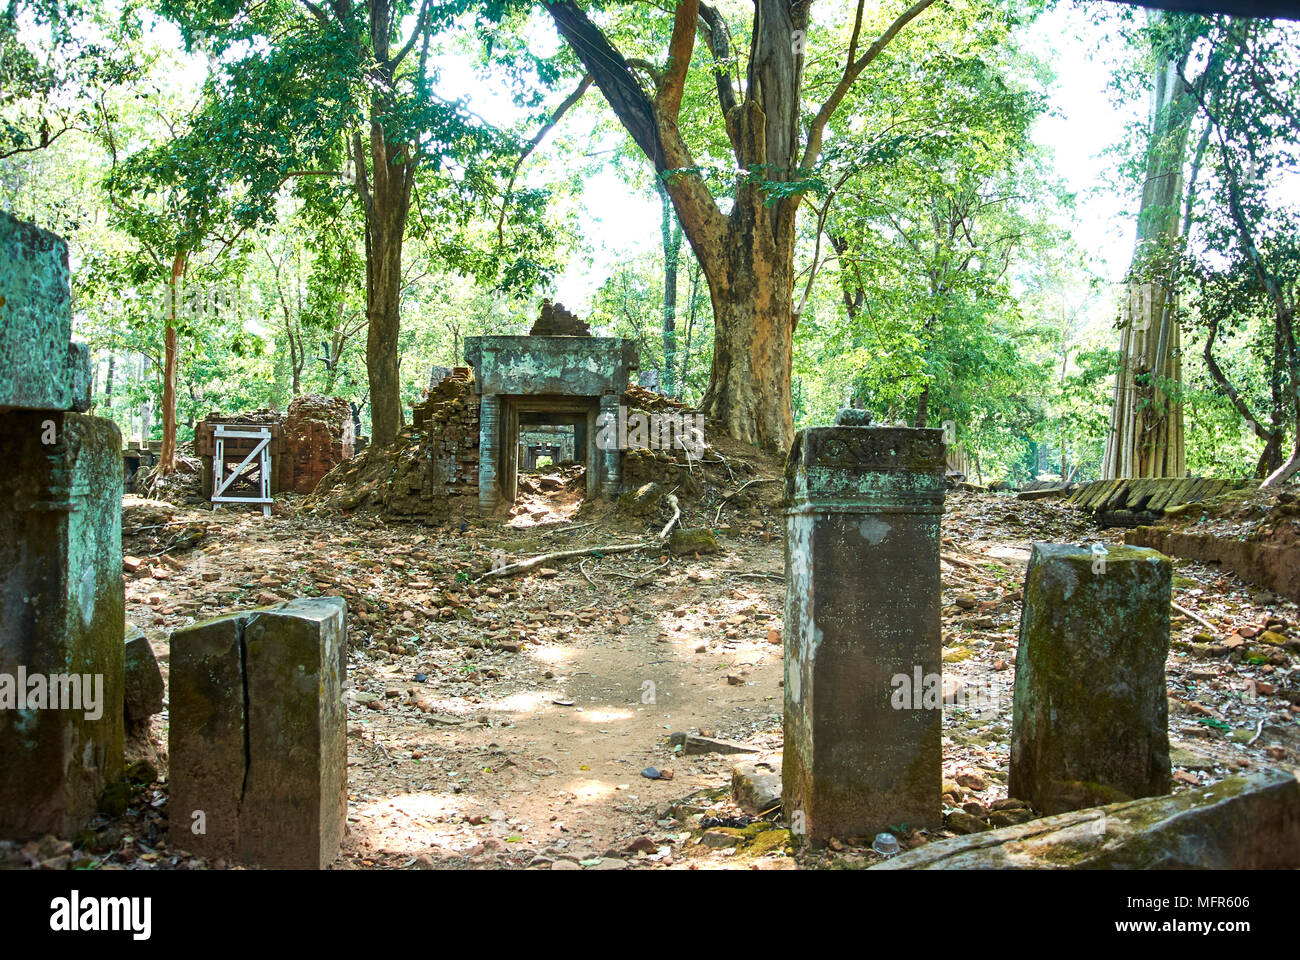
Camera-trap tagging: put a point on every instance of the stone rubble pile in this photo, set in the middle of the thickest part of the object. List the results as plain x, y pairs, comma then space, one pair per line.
430, 471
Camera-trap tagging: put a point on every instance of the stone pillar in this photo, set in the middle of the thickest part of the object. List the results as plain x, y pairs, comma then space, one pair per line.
40, 368
258, 738
62, 602
863, 641
64, 617
611, 466
489, 452
1090, 717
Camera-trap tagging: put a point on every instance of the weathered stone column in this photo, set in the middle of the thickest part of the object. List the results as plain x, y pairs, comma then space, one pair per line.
62, 602
1090, 717
489, 452
64, 617
863, 640
258, 738
611, 472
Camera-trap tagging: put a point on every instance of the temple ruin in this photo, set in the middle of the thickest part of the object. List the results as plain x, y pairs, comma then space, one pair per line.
557, 376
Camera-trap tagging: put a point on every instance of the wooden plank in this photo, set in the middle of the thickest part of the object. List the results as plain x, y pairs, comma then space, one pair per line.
1118, 497
1166, 489
1141, 492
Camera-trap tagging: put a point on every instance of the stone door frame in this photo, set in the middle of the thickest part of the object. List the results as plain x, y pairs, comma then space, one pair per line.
507, 477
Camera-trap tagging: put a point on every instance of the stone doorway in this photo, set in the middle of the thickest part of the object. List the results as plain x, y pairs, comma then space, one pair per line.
559, 375
563, 428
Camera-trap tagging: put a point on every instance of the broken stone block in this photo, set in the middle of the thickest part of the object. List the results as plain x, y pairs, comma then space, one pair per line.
39, 368
205, 739
688, 540
258, 738
143, 685
1090, 715
756, 784
862, 647
61, 636
645, 501
693, 744
1248, 823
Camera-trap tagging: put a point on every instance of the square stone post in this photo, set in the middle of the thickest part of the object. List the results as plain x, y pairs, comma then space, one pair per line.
64, 619
863, 639
1090, 716
612, 456
489, 452
62, 602
258, 738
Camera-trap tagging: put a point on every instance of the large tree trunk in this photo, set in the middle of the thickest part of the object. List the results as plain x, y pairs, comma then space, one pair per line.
387, 203
753, 335
167, 458
1146, 427
384, 269
672, 244
1285, 316
747, 255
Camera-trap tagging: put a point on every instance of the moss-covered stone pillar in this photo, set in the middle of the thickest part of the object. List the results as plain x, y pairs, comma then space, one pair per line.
1090, 717
40, 368
61, 595
489, 453
862, 743
611, 466
258, 737
62, 653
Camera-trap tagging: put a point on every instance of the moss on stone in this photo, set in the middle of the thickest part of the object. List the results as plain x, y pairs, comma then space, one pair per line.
692, 540
769, 841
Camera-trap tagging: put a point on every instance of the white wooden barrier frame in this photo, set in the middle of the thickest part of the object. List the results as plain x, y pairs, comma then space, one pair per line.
222, 433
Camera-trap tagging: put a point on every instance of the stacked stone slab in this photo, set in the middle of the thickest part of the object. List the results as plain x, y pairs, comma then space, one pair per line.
1129, 502
555, 321
1090, 716
258, 737
62, 603
862, 622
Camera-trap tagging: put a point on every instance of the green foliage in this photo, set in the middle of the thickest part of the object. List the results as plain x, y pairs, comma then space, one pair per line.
935, 272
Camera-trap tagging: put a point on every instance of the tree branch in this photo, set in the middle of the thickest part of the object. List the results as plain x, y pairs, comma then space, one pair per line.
546, 128
718, 39
416, 33
852, 70
613, 76
668, 101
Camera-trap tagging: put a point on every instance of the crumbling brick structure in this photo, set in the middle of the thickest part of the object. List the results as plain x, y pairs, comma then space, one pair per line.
317, 436
430, 471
